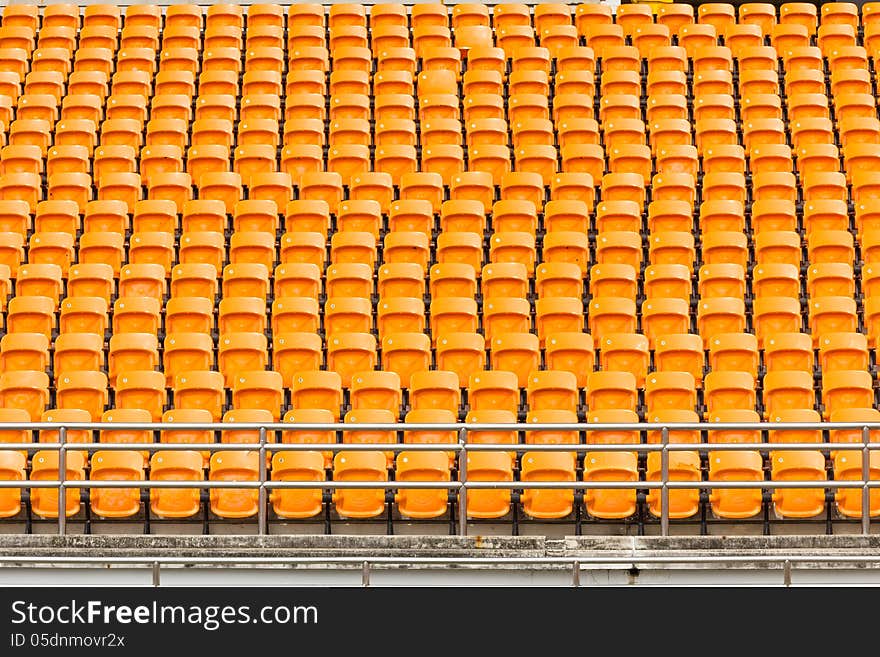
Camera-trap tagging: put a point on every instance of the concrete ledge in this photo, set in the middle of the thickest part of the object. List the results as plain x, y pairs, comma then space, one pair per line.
571, 547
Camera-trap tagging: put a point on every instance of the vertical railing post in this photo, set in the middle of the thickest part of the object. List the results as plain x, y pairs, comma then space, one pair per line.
866, 475
261, 517
462, 477
62, 477
664, 478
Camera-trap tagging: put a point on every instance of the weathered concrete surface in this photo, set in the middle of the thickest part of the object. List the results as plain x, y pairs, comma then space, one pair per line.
580, 547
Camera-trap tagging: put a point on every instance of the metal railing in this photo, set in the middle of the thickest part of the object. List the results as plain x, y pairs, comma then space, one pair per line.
264, 484
574, 564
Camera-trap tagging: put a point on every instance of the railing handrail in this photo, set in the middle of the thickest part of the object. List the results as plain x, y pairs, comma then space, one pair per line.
460, 445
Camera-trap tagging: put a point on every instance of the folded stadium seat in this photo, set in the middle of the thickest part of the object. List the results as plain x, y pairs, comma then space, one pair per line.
298, 280
295, 314
831, 279
571, 352
401, 315
672, 247
246, 416
111, 466
152, 247
831, 314
773, 215
666, 82
236, 352
197, 279
563, 279
294, 352
453, 279
825, 213
870, 280
552, 390
193, 436
566, 215
619, 247
134, 35
317, 390
22, 16
778, 247
136, 314
303, 215
506, 315
371, 436
349, 353
515, 352
12, 251
71, 435
611, 390
26, 187
848, 465
625, 352
761, 14
462, 215
843, 351
728, 390
741, 38
830, 185
45, 466
610, 315
601, 37
105, 216
830, 246
617, 216
31, 314
13, 414
359, 466
735, 503
772, 315
400, 279
734, 352
141, 389
200, 390
15, 215
175, 466
72, 352
784, 390
297, 466
205, 158
674, 16
788, 351
683, 466
210, 131
728, 280
85, 315
12, 468
258, 389
127, 436
798, 465
610, 466
670, 391
132, 351
558, 315
304, 247
82, 389
24, 351
305, 15
502, 280
846, 389
234, 466
548, 466
811, 130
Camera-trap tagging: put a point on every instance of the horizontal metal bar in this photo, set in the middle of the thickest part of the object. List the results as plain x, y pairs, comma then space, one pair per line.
453, 426
452, 485
585, 561
442, 447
